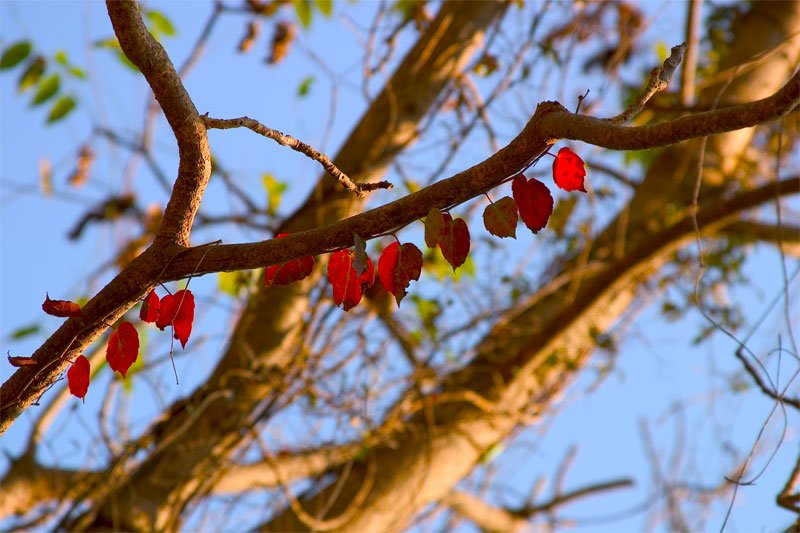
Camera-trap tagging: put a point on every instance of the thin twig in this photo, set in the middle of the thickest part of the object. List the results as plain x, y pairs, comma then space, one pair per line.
360, 189
659, 79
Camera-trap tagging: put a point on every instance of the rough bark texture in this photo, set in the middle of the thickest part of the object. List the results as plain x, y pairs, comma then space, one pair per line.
266, 339
522, 367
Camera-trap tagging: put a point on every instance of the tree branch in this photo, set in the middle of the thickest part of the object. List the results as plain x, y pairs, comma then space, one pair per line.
359, 189
194, 168
562, 124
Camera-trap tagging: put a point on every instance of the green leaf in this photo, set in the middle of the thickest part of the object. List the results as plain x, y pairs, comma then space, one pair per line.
15, 54
161, 22
61, 59
305, 86
32, 74
47, 89
24, 331
61, 108
325, 6
303, 8
274, 189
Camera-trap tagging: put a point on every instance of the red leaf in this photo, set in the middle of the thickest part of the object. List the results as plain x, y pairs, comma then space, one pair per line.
149, 310
78, 377
500, 218
166, 311
434, 223
289, 272
123, 348
177, 310
568, 170
533, 201
184, 317
62, 308
454, 241
399, 265
347, 286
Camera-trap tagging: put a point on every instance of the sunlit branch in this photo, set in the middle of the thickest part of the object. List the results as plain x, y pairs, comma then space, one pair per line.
360, 189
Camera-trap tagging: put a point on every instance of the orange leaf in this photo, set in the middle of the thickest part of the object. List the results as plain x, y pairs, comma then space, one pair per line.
61, 308
500, 218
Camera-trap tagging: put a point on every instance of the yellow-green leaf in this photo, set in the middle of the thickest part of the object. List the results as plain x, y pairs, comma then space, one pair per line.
161, 22
61, 108
303, 8
274, 189
325, 6
47, 89
32, 74
305, 86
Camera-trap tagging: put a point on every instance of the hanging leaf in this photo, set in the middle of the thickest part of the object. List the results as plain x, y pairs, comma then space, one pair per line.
78, 377
47, 89
288, 273
275, 190
61, 108
31, 75
569, 171
60, 308
123, 348
454, 241
177, 310
348, 287
500, 218
303, 8
398, 266
534, 202
325, 7
149, 310
21, 361
15, 54
434, 222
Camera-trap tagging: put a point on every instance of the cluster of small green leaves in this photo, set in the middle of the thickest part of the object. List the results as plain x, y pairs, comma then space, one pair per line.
44, 74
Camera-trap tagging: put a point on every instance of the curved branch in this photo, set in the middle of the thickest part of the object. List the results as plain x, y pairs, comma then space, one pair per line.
359, 189
566, 125
550, 122
194, 169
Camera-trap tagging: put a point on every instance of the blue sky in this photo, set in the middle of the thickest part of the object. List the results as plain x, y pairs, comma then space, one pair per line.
657, 366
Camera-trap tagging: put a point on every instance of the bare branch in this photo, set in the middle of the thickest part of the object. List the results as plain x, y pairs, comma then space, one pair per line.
659, 79
194, 169
360, 189
600, 133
